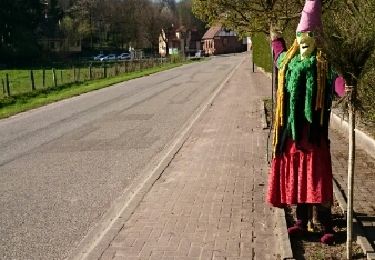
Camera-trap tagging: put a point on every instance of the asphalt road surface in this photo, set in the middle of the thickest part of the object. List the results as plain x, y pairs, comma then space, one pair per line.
63, 165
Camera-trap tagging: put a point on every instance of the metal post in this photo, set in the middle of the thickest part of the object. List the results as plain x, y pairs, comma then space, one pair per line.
252, 58
272, 100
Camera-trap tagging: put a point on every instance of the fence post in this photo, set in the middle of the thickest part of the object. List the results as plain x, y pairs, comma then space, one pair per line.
7, 84
2, 81
90, 72
61, 76
32, 80
104, 71
44, 78
79, 72
54, 78
74, 74
116, 69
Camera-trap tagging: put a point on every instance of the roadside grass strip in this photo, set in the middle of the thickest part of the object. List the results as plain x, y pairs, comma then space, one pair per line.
25, 101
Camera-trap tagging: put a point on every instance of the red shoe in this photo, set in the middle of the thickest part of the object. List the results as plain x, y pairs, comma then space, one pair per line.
298, 229
327, 238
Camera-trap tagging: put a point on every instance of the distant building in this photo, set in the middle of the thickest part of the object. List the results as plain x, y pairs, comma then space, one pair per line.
181, 40
60, 45
52, 39
218, 40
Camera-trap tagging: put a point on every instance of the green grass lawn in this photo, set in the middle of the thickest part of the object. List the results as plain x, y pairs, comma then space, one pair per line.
23, 99
20, 80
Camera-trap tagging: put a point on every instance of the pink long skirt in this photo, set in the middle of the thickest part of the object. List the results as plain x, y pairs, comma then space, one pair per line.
301, 174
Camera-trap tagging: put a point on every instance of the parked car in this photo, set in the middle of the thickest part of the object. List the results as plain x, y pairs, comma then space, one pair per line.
199, 54
110, 57
99, 56
124, 56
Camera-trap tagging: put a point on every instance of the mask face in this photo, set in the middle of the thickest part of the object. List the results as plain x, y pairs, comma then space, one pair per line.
307, 43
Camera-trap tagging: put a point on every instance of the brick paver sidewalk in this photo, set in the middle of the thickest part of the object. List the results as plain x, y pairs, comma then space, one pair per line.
209, 202
364, 181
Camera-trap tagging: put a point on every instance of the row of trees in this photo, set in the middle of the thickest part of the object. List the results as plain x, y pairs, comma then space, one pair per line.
97, 24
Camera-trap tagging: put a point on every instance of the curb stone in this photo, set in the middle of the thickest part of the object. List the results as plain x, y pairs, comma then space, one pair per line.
285, 244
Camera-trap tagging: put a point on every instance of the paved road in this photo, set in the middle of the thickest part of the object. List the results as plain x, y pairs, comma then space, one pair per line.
62, 166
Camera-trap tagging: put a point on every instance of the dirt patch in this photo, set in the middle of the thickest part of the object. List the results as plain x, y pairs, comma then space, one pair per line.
309, 247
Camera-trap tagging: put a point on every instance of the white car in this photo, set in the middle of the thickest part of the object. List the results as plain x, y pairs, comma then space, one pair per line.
109, 57
124, 56
99, 56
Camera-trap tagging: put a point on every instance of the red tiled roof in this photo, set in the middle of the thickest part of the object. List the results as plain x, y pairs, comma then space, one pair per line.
212, 32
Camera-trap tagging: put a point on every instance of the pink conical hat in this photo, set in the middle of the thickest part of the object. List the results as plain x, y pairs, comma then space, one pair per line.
311, 19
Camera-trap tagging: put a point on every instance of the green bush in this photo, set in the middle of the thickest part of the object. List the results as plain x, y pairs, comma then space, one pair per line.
366, 96
262, 51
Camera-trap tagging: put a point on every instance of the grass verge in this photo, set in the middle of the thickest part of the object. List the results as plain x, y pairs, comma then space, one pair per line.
19, 103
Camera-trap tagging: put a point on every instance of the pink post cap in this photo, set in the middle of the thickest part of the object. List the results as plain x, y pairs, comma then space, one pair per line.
311, 16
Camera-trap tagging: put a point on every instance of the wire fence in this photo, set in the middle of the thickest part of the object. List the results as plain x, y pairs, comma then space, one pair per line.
16, 82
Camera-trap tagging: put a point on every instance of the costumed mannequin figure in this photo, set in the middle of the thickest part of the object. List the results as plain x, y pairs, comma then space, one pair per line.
301, 172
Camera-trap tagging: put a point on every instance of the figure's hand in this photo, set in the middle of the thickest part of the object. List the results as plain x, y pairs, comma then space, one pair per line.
275, 33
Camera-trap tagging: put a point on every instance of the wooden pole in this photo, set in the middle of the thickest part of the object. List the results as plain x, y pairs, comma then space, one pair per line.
44, 78
54, 78
351, 163
61, 76
7, 84
2, 81
32, 80
90, 72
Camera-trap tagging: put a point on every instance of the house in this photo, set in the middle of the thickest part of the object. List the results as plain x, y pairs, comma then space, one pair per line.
60, 44
218, 40
52, 39
181, 40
